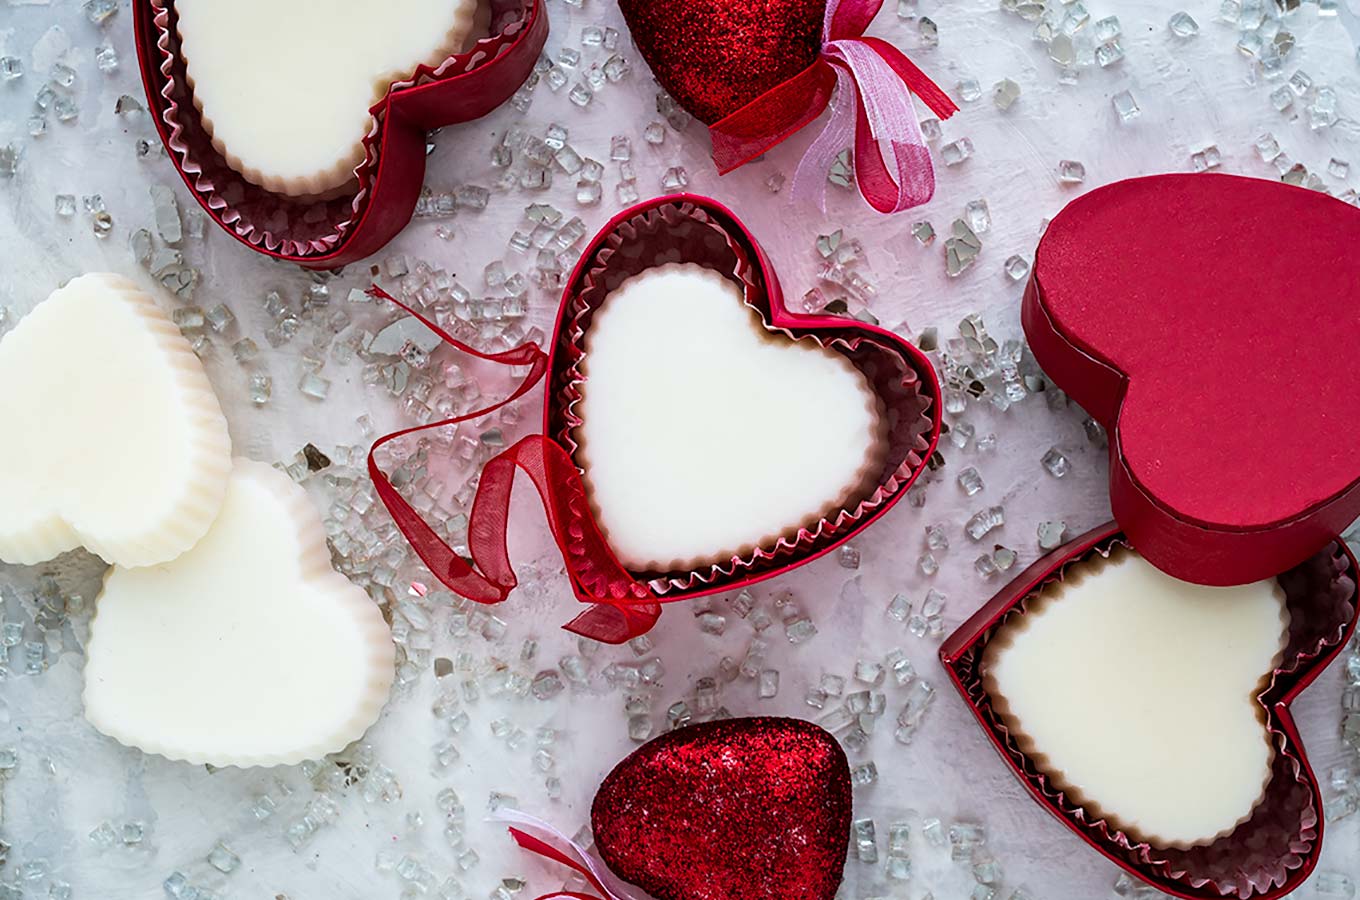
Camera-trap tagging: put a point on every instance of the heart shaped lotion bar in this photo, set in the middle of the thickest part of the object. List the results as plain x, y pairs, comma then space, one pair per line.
249, 650
1163, 734
113, 438
704, 434
285, 88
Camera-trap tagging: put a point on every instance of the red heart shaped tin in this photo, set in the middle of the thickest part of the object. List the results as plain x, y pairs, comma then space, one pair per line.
329, 233
693, 229
675, 229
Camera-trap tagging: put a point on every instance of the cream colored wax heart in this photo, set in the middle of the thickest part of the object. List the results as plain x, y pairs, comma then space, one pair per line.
704, 434
113, 438
249, 650
285, 88
1137, 694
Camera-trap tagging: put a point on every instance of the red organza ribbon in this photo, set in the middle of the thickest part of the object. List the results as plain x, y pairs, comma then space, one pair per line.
870, 81
622, 608
542, 848
537, 836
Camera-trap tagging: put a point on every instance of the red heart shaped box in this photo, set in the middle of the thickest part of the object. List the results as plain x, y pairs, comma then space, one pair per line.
1206, 321
688, 228
331, 233
1279, 845
1172, 310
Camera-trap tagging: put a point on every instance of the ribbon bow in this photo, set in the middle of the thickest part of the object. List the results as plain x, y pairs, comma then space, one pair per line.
868, 83
621, 608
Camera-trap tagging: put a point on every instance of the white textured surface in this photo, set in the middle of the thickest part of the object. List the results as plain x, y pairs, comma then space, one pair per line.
1191, 94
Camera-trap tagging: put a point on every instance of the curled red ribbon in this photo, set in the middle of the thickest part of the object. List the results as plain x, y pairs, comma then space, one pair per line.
621, 607
544, 849
541, 838
871, 75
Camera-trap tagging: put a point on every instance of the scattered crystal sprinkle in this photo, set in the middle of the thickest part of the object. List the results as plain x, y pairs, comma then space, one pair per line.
1183, 25
1125, 106
984, 522
1005, 93
956, 152
1055, 463
1071, 172
1206, 159
1017, 268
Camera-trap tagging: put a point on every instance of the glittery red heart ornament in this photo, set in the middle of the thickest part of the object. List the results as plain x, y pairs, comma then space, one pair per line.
715, 56
740, 809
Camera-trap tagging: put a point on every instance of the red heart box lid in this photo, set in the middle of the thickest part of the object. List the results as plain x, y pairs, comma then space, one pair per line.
1206, 321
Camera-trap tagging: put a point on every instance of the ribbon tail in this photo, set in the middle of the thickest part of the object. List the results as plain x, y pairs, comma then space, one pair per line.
809, 180
931, 94
595, 572
451, 569
884, 113
911, 182
613, 623
489, 577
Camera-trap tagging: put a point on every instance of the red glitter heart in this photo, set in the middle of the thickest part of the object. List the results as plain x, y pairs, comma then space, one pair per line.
715, 56
740, 809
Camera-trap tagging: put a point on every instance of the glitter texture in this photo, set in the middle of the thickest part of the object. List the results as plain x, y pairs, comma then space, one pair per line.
757, 809
715, 56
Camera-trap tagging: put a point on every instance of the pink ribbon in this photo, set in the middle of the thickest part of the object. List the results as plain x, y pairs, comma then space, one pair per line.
871, 107
539, 837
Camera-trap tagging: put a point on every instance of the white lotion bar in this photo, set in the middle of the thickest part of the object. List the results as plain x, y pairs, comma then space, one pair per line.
249, 650
285, 86
1137, 693
705, 434
113, 438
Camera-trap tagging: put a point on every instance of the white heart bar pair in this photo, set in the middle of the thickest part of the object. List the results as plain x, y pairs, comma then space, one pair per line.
221, 635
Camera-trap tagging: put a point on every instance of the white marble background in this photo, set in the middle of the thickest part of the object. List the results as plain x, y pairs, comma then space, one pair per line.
1192, 93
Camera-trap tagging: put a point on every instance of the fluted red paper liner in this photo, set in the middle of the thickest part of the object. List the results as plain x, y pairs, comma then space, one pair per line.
326, 234
1272, 852
695, 230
